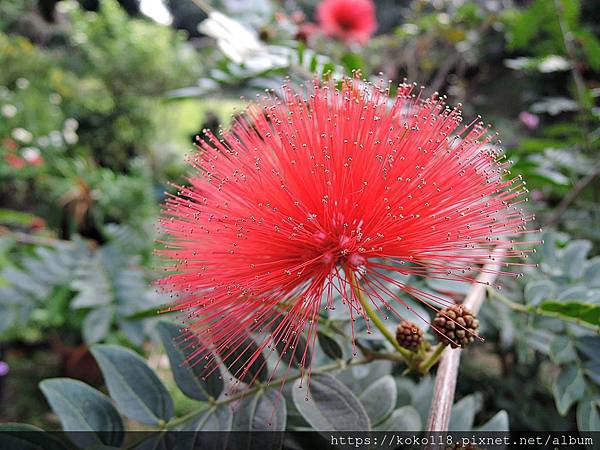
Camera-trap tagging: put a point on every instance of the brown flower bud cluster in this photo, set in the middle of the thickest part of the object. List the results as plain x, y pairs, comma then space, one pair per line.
456, 326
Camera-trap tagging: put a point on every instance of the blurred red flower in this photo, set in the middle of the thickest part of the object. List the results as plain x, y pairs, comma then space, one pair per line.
37, 223
10, 144
310, 199
348, 20
16, 162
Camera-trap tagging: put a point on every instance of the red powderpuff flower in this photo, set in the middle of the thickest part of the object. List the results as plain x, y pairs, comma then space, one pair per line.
348, 20
309, 201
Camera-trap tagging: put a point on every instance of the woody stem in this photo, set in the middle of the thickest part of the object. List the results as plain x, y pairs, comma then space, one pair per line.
447, 371
375, 319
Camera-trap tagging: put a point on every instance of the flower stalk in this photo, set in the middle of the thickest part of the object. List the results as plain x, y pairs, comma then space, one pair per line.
375, 319
432, 358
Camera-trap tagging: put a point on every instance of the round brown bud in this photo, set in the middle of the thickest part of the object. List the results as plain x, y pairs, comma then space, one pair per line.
456, 326
409, 335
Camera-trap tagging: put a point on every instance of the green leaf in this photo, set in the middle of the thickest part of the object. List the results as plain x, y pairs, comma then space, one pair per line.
574, 256
159, 440
265, 411
562, 350
13, 217
135, 388
92, 283
497, 423
236, 359
379, 399
149, 313
463, 413
331, 406
352, 61
217, 419
330, 346
568, 388
300, 52
96, 324
592, 370
21, 436
422, 395
294, 350
591, 48
313, 64
82, 408
576, 293
404, 390
591, 273
538, 290
406, 418
588, 415
8, 317
589, 346
187, 370
583, 312
328, 69
367, 374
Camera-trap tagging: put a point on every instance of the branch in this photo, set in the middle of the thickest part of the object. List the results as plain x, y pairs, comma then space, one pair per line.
573, 194
338, 365
518, 307
447, 372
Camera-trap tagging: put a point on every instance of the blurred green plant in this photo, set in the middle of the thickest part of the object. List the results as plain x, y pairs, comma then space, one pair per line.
564, 53
121, 68
556, 309
69, 286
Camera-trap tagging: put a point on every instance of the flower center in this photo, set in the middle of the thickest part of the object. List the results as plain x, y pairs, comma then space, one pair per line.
346, 20
341, 249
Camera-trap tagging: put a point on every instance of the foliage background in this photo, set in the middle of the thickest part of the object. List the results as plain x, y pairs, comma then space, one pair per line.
98, 105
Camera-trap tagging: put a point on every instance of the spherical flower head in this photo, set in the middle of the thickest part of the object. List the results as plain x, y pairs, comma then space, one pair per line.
352, 21
315, 199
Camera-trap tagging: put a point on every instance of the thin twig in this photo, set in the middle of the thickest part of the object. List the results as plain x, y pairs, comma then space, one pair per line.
338, 365
518, 307
447, 372
572, 195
